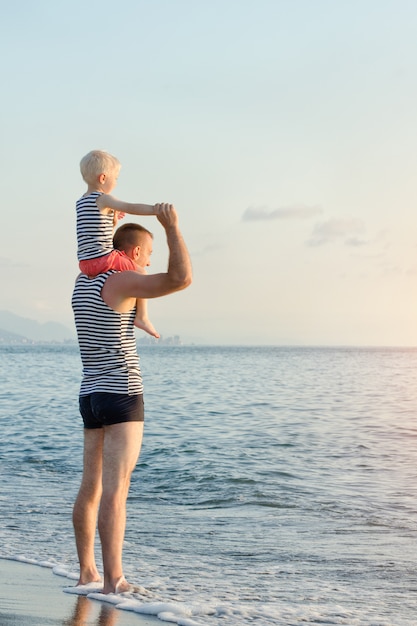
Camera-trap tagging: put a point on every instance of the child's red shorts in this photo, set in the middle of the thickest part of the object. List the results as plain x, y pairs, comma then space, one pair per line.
116, 260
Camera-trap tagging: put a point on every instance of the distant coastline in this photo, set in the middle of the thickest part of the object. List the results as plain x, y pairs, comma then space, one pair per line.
17, 330
11, 339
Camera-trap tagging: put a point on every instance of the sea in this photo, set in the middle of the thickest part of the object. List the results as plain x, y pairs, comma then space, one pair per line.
276, 485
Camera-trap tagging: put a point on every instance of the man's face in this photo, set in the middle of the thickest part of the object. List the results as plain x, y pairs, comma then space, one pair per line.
145, 251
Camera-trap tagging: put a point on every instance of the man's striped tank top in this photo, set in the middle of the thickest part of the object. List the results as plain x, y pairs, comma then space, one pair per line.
106, 339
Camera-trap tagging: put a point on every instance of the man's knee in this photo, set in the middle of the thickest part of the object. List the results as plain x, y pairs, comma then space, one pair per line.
90, 489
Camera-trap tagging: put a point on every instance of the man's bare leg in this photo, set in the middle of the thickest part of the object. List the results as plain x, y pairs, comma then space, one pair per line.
121, 448
86, 505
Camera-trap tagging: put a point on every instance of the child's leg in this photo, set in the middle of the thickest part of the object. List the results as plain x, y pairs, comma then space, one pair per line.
142, 320
120, 262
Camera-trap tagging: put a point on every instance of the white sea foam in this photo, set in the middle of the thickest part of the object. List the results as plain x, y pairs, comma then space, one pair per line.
154, 608
24, 559
60, 570
175, 612
111, 598
84, 590
129, 605
166, 616
47, 564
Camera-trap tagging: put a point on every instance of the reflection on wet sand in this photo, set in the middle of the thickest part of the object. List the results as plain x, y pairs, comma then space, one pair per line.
108, 614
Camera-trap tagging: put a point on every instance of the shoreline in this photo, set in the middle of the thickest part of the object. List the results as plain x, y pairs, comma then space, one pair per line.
32, 595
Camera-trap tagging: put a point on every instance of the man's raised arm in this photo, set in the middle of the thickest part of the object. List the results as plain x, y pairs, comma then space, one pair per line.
179, 264
119, 289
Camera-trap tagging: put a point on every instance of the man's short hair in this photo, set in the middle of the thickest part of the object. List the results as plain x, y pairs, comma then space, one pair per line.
129, 235
98, 162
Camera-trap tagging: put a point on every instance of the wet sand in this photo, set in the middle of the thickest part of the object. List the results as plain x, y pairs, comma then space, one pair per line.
32, 596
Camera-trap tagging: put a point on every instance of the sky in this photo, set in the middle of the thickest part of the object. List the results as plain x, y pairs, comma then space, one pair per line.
284, 132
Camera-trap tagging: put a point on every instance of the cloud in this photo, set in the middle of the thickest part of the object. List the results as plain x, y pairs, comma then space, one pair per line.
208, 249
347, 230
355, 242
299, 211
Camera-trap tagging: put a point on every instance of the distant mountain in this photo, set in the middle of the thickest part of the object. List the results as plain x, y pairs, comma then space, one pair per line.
15, 326
6, 337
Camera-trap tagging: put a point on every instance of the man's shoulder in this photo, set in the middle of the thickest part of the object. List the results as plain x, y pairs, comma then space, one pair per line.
83, 279
118, 278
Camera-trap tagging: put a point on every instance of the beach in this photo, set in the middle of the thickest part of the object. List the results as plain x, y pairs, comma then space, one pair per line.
32, 595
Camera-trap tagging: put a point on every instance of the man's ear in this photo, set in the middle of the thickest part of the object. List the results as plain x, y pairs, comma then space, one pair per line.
136, 252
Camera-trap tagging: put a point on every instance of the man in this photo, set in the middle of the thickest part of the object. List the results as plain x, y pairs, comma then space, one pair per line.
111, 400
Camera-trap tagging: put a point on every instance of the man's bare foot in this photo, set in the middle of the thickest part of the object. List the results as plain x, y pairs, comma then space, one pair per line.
121, 586
147, 326
81, 583
90, 576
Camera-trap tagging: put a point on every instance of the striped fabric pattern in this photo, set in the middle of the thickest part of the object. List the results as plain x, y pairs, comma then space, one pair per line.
94, 230
106, 339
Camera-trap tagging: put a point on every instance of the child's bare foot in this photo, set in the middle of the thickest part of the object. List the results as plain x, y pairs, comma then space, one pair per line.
147, 326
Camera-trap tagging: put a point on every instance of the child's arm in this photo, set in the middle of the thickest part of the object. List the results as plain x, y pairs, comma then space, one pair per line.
107, 204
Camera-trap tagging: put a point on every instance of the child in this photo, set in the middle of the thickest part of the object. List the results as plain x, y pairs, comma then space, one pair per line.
97, 214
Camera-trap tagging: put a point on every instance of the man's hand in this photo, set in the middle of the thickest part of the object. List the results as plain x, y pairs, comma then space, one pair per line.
166, 214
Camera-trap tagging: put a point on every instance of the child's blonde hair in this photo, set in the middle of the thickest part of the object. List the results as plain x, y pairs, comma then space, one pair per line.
98, 162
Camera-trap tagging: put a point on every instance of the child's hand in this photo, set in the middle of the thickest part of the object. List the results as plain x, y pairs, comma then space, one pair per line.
167, 214
117, 215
